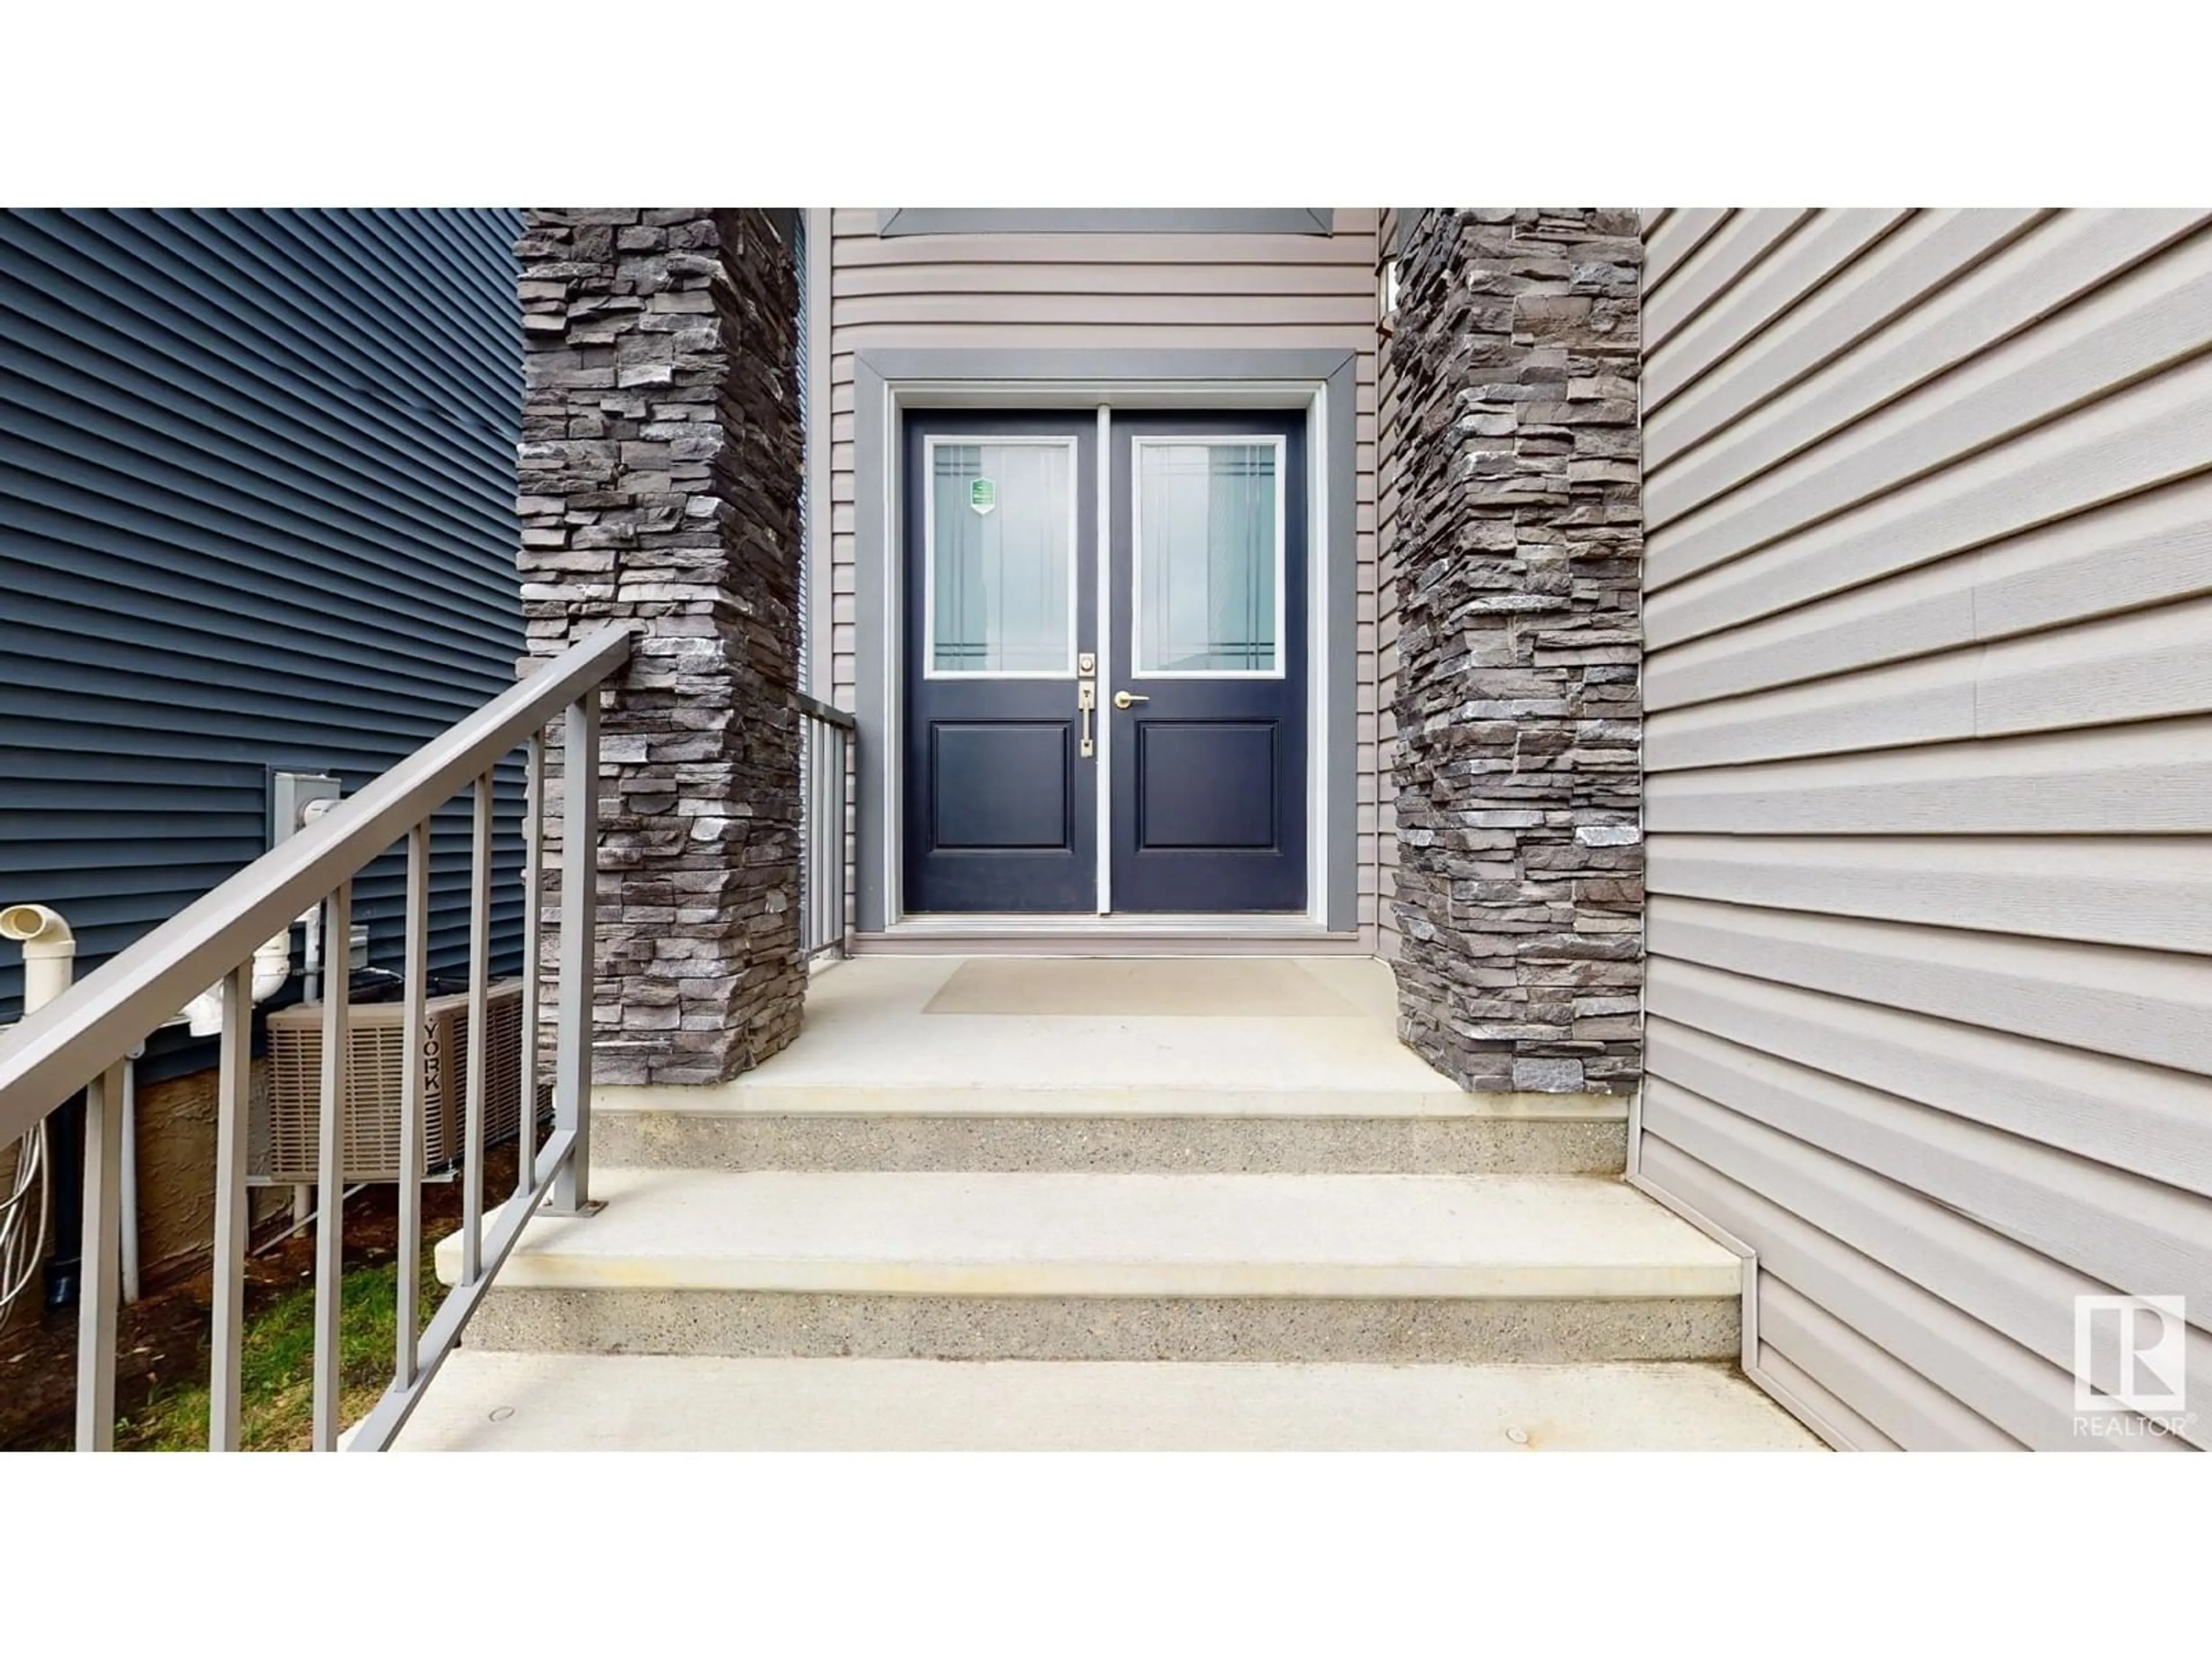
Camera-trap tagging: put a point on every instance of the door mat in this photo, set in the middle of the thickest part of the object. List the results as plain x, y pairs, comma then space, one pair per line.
1210, 988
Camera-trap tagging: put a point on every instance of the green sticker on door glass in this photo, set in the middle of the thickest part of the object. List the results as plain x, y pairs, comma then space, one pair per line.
982, 495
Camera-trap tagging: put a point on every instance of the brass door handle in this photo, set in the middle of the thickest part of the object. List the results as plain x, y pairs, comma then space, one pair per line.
1122, 699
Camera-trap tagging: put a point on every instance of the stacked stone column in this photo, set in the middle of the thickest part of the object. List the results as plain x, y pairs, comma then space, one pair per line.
659, 475
1520, 887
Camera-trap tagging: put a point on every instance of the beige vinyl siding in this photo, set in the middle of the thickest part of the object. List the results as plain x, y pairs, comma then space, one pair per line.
1090, 291
1928, 750
1387, 484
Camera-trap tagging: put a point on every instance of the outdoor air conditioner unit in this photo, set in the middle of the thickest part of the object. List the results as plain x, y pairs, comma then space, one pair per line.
284, 1144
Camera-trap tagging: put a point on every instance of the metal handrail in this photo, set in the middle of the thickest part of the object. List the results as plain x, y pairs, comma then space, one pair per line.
826, 712
79, 1040
65, 1045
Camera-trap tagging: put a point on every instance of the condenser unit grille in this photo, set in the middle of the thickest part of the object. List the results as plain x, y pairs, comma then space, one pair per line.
369, 1128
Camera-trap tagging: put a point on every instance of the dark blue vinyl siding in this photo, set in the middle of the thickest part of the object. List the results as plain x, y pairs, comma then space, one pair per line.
257, 512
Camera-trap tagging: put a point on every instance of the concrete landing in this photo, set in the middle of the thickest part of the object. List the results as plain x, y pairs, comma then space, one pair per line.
575, 1402
1260, 1066
1276, 1036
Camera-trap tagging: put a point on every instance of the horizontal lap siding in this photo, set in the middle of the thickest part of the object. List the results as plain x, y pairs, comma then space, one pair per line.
1928, 602
1141, 292
257, 510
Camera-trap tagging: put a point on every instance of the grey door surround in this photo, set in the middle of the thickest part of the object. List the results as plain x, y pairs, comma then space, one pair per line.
1322, 382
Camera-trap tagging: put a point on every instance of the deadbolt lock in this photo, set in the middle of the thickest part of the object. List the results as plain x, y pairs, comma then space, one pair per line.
1086, 663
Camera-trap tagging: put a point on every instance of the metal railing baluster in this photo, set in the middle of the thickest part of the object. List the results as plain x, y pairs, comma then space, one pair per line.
415, 968
580, 848
479, 1048
806, 775
234, 1110
533, 923
811, 820
100, 1267
818, 822
844, 807
833, 849
330, 1164
817, 743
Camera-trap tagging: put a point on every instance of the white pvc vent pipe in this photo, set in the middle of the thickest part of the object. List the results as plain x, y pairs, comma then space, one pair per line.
49, 951
49, 964
272, 966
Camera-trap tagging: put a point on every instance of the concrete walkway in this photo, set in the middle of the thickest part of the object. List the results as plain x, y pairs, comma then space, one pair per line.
575, 1402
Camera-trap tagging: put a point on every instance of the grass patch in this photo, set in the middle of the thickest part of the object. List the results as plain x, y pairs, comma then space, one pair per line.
277, 1367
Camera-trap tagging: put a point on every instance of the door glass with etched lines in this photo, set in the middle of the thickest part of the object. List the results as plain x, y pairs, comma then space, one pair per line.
1002, 559
1208, 554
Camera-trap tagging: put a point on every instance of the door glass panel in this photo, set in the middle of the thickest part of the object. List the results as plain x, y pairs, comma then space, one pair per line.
1002, 559
1207, 556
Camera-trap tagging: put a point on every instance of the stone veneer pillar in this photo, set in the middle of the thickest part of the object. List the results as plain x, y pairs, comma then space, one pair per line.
660, 469
1520, 887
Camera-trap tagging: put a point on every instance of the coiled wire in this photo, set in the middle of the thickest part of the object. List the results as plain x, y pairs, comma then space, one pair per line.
22, 1220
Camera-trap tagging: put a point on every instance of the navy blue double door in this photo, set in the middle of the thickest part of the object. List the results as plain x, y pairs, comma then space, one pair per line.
1161, 677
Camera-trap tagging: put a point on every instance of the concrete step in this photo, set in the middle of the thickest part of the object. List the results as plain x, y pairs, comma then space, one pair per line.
1111, 1131
487, 1401
1305, 1267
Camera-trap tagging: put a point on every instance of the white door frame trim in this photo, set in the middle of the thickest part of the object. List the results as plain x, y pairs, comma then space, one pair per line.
1245, 440
981, 440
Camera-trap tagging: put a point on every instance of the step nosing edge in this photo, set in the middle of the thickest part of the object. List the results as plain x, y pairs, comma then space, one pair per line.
958, 1102
986, 1277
